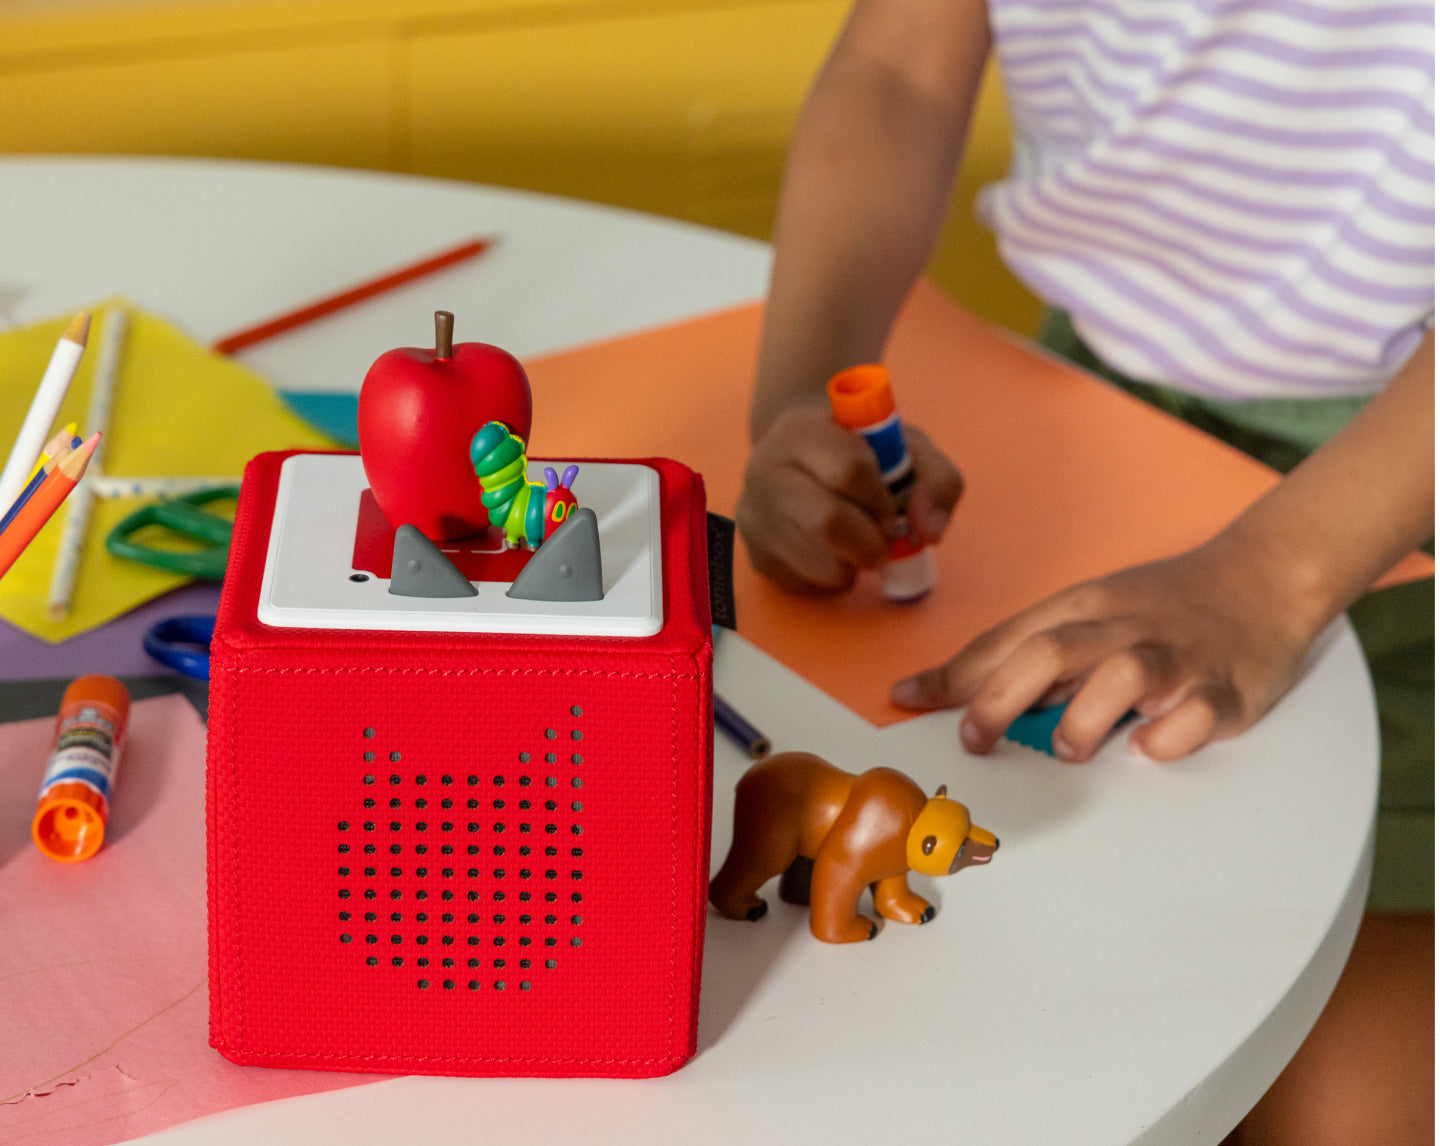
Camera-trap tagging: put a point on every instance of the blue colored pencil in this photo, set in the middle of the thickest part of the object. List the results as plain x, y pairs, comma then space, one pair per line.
38, 479
754, 742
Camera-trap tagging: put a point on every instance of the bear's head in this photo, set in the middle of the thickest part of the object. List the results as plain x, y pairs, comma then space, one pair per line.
943, 840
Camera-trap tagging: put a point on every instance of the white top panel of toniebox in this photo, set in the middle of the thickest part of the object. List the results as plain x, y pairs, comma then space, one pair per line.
310, 582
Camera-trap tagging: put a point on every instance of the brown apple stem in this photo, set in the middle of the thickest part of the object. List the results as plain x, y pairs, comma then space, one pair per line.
444, 333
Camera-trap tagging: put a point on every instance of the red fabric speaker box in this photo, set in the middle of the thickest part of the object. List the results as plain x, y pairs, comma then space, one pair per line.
457, 852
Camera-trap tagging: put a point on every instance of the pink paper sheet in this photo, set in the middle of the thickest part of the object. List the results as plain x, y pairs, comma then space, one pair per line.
103, 1004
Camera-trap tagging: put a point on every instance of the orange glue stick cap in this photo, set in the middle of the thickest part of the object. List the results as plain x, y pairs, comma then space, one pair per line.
74, 803
860, 396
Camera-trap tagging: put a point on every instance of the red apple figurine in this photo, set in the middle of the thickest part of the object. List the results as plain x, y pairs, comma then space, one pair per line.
418, 411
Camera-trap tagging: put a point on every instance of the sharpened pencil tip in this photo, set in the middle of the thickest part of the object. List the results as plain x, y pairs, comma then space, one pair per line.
74, 464
61, 438
79, 329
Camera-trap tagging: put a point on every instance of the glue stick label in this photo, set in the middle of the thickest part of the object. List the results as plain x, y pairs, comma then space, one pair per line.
899, 482
887, 440
85, 751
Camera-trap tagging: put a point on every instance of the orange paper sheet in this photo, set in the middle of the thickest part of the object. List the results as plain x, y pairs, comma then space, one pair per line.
1066, 478
104, 1013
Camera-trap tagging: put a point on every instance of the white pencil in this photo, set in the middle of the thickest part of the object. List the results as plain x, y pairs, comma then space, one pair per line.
77, 506
44, 408
107, 487
72, 543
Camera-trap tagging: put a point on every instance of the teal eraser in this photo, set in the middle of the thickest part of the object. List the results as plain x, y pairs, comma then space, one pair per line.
1036, 728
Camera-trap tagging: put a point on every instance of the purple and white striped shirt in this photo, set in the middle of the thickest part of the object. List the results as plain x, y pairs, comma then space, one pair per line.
1233, 197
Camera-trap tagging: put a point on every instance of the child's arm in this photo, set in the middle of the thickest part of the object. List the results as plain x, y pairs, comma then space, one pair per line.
1205, 643
872, 162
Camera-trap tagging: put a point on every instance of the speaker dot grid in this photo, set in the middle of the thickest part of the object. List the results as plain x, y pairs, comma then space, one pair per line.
511, 823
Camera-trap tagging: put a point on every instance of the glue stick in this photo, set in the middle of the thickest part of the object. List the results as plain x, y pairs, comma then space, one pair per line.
74, 803
860, 400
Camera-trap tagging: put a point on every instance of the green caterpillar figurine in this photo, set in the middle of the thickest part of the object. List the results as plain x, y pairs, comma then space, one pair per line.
527, 511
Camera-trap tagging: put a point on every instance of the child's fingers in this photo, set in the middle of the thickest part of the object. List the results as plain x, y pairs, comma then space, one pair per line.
1029, 672
820, 526
840, 462
938, 487
810, 541
845, 532
808, 509
928, 690
1207, 712
954, 683
810, 573
1118, 683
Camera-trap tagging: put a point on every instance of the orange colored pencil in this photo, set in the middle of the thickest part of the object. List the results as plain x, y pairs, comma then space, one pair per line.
44, 502
55, 450
281, 323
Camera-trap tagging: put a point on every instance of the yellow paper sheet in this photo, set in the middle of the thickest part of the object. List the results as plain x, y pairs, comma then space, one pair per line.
179, 409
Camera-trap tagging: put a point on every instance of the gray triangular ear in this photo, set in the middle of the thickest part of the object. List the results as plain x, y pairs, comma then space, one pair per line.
566, 567
419, 569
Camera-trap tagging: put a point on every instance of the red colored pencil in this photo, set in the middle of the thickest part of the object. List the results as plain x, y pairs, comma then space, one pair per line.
281, 323
44, 502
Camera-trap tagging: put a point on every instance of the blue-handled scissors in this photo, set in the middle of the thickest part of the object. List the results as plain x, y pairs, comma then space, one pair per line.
182, 643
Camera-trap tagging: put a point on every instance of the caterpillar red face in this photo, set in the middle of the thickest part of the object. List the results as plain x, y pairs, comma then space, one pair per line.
560, 503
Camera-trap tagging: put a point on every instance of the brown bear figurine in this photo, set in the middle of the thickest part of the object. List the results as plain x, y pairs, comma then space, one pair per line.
861, 831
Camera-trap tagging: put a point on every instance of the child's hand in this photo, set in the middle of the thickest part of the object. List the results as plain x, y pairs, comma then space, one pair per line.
814, 509
1198, 644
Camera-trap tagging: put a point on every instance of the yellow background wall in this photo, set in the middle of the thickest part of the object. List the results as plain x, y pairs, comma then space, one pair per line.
679, 107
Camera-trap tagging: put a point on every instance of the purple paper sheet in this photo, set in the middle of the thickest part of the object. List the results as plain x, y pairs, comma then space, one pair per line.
114, 648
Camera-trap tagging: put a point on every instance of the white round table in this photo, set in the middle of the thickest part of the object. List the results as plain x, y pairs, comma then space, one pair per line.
1148, 949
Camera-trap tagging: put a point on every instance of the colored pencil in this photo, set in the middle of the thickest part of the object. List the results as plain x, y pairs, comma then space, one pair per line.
55, 450
77, 509
52, 447
106, 487
319, 309
44, 407
750, 739
44, 502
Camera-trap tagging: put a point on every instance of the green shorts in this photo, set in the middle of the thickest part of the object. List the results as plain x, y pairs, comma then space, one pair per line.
1396, 626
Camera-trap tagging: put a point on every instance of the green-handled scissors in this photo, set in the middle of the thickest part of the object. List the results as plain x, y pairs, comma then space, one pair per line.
184, 517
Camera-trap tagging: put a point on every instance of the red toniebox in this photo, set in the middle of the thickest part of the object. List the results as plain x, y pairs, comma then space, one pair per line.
458, 835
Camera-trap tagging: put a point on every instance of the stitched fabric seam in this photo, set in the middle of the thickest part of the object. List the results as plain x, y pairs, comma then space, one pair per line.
370, 669
674, 842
